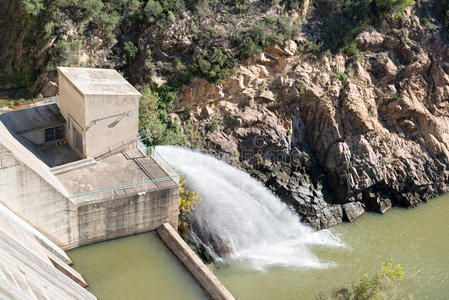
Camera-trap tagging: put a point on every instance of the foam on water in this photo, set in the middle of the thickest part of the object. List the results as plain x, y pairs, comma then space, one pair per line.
241, 215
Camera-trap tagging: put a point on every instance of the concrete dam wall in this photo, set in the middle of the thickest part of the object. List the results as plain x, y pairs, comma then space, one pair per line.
43, 199
75, 172
43, 211
29, 264
193, 263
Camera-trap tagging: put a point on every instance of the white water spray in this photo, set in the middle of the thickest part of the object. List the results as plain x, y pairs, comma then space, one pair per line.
240, 214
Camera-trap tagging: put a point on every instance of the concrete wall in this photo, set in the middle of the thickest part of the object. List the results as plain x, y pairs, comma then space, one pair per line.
69, 225
105, 220
87, 108
27, 264
35, 200
113, 130
193, 263
29, 189
71, 101
23, 275
37, 136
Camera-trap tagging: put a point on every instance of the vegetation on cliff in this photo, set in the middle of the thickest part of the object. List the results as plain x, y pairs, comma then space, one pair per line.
336, 132
168, 40
155, 105
341, 96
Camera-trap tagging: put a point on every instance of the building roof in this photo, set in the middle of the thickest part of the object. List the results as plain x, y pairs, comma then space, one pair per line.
37, 117
101, 179
93, 81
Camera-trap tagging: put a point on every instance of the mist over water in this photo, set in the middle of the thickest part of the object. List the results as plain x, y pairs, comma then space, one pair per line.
240, 219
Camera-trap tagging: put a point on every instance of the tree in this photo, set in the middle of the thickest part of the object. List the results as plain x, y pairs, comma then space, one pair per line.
130, 50
155, 104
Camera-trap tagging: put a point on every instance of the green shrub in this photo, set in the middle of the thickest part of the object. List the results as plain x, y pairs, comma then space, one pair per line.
343, 20
314, 48
130, 51
188, 200
263, 33
152, 11
33, 7
65, 53
382, 285
215, 124
352, 50
343, 77
155, 105
215, 66
185, 114
158, 11
394, 6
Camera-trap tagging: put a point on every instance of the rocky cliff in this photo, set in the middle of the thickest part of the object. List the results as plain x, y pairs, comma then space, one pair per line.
335, 135
338, 106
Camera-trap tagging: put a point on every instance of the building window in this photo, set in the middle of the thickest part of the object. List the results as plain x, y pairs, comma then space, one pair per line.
54, 133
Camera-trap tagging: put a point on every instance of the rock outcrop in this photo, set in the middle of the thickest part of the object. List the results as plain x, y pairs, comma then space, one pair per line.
336, 135
332, 134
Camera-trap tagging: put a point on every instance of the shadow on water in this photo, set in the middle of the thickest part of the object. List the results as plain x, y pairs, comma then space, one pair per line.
135, 267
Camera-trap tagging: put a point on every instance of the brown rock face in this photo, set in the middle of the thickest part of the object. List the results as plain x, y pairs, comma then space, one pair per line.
331, 145
332, 136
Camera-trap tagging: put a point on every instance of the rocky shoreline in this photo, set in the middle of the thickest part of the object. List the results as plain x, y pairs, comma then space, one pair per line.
334, 136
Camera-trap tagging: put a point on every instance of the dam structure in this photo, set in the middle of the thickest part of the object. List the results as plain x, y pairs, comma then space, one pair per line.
74, 172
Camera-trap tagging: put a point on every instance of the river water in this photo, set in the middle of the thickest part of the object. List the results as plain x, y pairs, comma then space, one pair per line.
272, 255
139, 267
418, 239
135, 267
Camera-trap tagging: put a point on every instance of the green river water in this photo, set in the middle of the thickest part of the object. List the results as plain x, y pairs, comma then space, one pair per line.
135, 267
139, 267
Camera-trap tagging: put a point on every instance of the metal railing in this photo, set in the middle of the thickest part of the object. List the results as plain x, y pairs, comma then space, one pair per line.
145, 150
137, 187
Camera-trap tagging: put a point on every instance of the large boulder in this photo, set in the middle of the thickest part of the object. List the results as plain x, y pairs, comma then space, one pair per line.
50, 89
353, 210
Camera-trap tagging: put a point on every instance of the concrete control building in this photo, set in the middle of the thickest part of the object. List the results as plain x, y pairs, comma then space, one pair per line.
100, 107
76, 171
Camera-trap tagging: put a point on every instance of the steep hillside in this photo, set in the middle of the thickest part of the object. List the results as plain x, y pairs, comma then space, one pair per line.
338, 106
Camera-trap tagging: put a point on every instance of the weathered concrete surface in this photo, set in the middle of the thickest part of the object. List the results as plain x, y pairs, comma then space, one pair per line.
28, 127
95, 81
120, 169
82, 163
105, 220
30, 189
25, 276
100, 105
27, 264
33, 118
24, 232
56, 155
193, 263
9, 144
